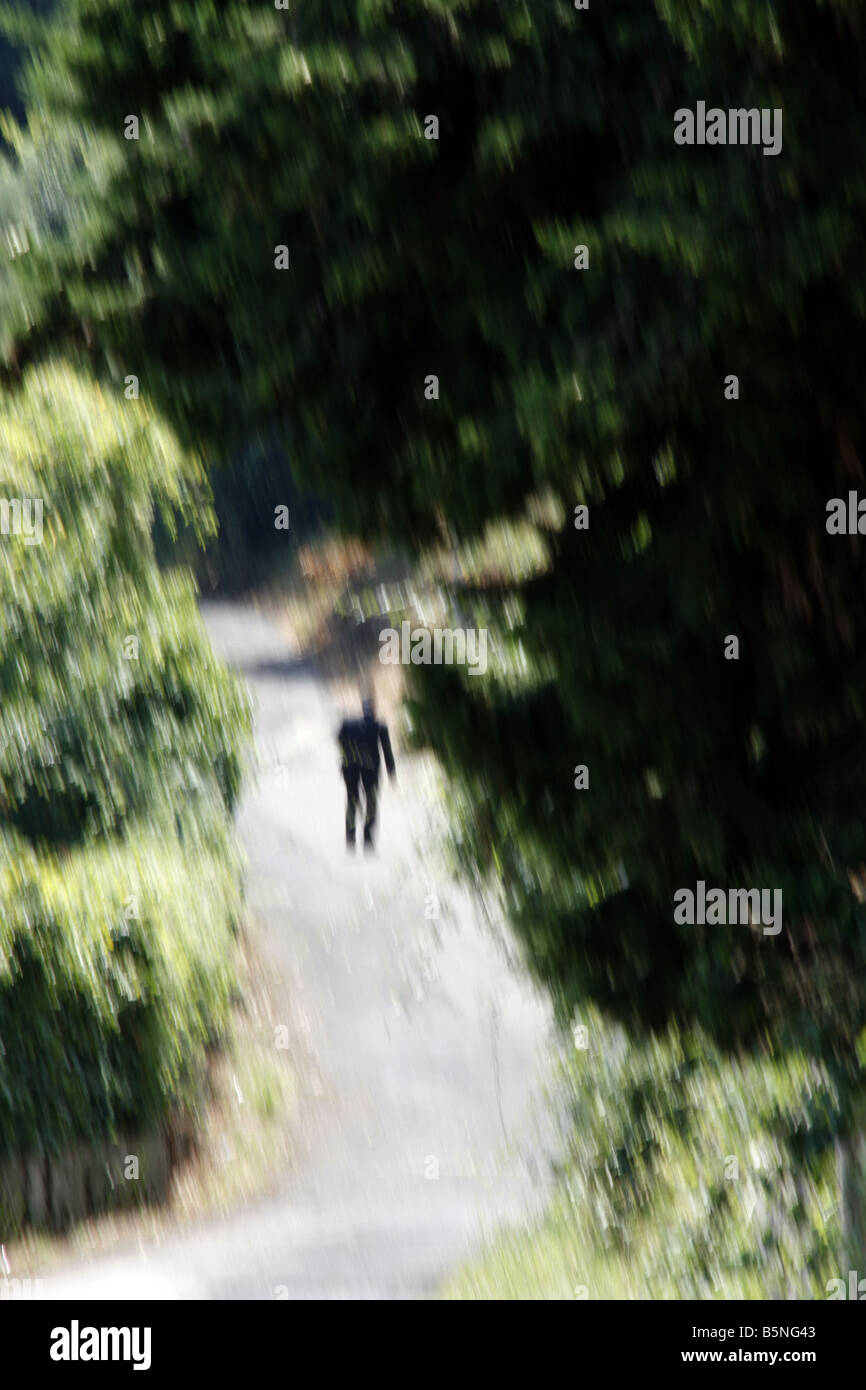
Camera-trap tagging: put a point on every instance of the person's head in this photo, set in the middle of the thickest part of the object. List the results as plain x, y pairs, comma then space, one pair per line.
368, 707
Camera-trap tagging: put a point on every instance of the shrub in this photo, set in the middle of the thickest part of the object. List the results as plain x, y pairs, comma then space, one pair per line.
116, 976
112, 702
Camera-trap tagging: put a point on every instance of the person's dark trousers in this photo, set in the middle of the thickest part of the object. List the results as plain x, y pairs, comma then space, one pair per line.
371, 797
352, 778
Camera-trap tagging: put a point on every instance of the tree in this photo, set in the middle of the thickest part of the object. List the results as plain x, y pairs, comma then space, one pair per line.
10, 60
113, 707
412, 258
317, 124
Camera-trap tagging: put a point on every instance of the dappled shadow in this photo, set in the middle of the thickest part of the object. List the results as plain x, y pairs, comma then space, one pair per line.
283, 668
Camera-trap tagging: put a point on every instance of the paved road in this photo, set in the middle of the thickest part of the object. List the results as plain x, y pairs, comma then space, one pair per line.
424, 1046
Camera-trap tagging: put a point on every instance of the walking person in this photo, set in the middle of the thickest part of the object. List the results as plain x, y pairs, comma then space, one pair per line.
360, 741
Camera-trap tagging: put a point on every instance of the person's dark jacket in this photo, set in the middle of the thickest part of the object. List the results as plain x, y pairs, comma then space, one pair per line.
359, 741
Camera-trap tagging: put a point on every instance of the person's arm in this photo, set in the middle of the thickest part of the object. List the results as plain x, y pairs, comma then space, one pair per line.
385, 740
342, 743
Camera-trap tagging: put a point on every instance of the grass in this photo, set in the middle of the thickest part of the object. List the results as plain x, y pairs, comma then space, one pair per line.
556, 1261
549, 1262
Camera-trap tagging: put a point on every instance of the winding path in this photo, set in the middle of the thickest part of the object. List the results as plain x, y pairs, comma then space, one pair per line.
424, 1045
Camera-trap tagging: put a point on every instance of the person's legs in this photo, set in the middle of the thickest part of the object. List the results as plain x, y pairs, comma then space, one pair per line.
351, 776
371, 793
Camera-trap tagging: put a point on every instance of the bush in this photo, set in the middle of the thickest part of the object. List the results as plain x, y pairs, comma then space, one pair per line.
702, 1176
90, 739
112, 703
121, 746
116, 976
684, 1174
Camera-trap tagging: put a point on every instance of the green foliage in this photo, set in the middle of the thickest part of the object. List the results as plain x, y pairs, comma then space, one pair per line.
314, 121
730, 1163
116, 973
121, 745
706, 518
10, 58
90, 734
684, 1176
39, 182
